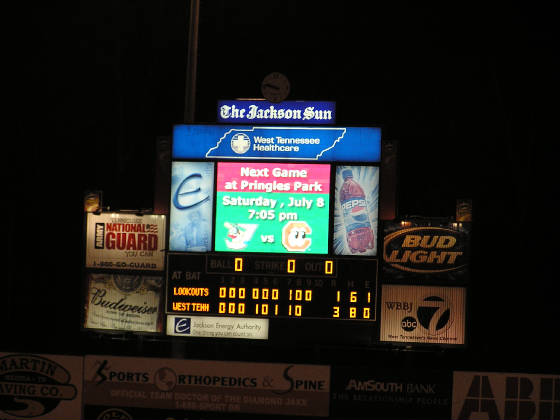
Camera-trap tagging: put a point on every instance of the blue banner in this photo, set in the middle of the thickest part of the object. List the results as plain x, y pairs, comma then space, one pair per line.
325, 144
287, 112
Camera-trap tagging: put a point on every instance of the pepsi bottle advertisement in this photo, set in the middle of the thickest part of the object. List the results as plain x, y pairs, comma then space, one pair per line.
356, 210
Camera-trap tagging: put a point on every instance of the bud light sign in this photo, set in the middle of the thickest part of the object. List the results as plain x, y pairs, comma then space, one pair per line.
426, 251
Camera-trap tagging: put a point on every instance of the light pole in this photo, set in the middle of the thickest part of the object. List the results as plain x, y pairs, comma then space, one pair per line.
190, 86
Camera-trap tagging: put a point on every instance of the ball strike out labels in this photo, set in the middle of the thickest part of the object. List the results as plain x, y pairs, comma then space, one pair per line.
272, 207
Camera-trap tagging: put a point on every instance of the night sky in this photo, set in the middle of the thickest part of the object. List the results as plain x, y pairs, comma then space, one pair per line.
468, 91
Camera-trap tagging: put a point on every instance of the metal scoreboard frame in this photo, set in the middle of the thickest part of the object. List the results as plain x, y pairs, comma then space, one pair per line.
237, 259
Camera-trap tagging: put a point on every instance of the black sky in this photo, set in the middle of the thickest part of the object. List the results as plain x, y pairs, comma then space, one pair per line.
468, 90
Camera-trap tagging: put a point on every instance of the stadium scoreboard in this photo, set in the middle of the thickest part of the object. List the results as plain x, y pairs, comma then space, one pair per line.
274, 222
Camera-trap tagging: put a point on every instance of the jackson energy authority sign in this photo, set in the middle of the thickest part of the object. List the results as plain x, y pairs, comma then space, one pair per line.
426, 250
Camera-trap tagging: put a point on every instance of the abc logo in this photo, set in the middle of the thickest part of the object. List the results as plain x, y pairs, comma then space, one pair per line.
433, 314
409, 324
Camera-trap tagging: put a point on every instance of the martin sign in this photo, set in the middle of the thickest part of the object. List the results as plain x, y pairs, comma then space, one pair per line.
288, 112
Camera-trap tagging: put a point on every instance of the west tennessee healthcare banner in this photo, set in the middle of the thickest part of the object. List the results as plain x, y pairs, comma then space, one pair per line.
125, 241
328, 144
208, 386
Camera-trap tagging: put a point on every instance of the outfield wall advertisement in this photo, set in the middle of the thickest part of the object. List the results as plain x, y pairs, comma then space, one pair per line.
499, 395
212, 386
40, 386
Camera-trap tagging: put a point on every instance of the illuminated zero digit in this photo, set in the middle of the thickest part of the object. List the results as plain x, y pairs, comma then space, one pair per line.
241, 308
222, 292
291, 266
264, 309
232, 292
299, 294
297, 310
328, 267
274, 294
255, 292
242, 293
222, 308
308, 295
366, 313
239, 264
264, 293
231, 308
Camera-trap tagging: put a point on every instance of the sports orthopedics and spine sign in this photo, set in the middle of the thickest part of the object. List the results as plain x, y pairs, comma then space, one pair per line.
173, 387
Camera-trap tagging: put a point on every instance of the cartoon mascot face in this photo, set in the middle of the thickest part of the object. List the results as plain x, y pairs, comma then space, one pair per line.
295, 236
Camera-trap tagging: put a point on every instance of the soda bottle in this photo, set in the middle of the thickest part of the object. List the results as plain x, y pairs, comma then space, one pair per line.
359, 234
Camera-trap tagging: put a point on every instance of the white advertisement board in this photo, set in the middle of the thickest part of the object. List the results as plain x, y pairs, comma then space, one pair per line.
423, 314
124, 302
217, 327
199, 385
40, 386
491, 395
125, 241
